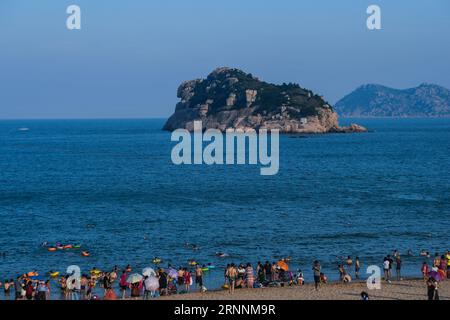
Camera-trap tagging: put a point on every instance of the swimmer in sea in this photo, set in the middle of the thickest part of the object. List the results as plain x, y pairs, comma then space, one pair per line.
221, 254
424, 253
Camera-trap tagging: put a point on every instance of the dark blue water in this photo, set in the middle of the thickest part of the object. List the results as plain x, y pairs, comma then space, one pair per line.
335, 195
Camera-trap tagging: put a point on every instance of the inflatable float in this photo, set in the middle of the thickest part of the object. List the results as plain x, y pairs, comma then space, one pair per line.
54, 274
52, 249
95, 272
85, 254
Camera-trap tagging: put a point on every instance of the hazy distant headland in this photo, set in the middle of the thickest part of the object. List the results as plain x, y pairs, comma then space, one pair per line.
231, 98
371, 100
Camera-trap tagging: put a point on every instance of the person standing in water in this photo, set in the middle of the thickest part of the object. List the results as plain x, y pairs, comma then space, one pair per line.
357, 267
391, 264
232, 276
249, 275
199, 277
7, 289
123, 283
187, 280
398, 262
316, 271
386, 266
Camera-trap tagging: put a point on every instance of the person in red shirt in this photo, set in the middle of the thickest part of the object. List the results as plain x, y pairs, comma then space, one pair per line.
187, 280
425, 270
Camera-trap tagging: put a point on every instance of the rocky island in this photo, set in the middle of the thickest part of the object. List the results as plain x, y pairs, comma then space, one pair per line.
231, 98
373, 100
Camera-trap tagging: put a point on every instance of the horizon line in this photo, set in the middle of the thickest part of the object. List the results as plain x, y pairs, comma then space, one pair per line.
80, 118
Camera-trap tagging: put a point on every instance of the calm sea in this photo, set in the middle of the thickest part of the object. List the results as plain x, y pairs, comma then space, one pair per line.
110, 185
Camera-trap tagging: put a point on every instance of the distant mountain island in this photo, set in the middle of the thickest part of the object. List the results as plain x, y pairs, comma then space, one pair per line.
371, 100
231, 98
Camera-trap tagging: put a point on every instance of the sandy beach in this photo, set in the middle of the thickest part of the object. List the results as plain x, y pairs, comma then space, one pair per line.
397, 290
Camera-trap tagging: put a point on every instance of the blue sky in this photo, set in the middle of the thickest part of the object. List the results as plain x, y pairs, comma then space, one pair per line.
130, 56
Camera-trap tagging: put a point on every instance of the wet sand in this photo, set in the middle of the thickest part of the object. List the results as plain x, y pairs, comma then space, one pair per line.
397, 290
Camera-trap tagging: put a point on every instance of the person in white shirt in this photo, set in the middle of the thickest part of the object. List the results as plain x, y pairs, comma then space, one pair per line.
386, 267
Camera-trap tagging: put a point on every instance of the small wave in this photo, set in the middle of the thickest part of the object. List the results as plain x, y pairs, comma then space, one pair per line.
414, 197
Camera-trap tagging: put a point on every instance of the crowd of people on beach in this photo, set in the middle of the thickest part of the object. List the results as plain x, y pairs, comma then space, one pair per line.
126, 284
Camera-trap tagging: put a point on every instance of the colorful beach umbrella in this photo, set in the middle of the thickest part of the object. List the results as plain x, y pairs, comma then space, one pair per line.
151, 283
173, 273
147, 272
436, 275
283, 265
135, 278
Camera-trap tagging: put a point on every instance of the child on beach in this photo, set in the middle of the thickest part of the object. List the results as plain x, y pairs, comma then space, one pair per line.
323, 278
300, 278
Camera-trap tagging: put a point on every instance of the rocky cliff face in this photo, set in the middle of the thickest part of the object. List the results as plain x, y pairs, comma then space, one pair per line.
426, 100
231, 98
